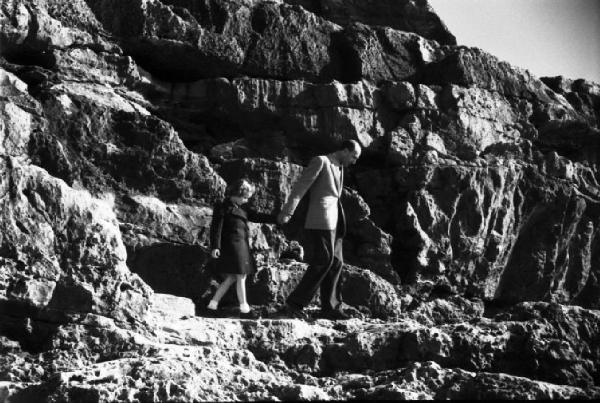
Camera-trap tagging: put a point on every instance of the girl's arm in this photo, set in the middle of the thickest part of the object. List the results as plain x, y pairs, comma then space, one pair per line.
216, 227
265, 218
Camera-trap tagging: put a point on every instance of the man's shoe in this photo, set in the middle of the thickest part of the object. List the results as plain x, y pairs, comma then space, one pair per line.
333, 314
288, 312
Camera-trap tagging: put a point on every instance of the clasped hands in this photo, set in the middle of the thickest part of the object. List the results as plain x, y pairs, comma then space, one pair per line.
282, 218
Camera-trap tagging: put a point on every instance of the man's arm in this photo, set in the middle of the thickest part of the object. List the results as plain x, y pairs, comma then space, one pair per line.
309, 175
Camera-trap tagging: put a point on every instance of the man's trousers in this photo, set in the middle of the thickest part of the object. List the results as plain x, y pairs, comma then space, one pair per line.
324, 255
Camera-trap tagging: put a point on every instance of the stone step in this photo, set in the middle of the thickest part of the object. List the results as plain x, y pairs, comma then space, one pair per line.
172, 305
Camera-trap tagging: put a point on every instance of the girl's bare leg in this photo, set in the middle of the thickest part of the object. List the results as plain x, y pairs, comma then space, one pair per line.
241, 293
223, 287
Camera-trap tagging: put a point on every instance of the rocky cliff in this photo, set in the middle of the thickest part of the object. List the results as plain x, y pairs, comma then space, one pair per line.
473, 247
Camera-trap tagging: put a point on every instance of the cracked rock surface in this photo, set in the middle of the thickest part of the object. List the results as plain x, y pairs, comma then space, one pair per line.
472, 250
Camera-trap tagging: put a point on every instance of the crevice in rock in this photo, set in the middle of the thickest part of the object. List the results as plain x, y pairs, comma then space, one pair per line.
29, 56
493, 307
200, 131
173, 63
405, 249
386, 46
348, 64
33, 335
31, 52
259, 20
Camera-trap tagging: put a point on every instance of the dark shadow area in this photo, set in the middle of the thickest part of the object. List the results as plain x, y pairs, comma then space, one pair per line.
181, 270
37, 393
259, 19
443, 72
188, 271
184, 61
575, 140
496, 307
588, 297
175, 269
346, 66
33, 328
29, 56
406, 245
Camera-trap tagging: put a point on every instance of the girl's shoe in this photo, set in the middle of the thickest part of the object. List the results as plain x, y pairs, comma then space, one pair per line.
244, 308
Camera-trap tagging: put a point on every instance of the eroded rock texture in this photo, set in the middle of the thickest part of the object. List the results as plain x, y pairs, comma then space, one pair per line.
473, 247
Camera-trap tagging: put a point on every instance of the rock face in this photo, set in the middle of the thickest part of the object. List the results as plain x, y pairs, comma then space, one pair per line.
405, 15
582, 94
63, 250
472, 247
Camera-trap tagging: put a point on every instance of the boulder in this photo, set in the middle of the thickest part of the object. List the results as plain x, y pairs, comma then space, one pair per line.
442, 311
370, 293
582, 94
20, 116
77, 244
382, 53
170, 305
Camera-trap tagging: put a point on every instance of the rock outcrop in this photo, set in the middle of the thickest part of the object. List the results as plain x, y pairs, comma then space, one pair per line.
191, 358
472, 250
405, 15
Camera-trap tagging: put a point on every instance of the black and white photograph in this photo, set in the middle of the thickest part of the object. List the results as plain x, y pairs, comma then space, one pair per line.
299, 200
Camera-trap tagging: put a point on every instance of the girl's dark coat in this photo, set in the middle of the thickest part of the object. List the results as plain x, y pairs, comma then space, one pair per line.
229, 233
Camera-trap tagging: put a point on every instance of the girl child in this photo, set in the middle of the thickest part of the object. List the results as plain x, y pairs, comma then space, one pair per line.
229, 242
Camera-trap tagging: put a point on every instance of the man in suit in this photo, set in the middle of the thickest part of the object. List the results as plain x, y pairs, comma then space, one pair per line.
325, 228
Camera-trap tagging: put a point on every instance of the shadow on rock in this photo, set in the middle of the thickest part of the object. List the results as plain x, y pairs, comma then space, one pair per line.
168, 268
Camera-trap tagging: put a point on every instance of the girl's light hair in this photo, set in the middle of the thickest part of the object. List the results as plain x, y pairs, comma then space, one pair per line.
241, 188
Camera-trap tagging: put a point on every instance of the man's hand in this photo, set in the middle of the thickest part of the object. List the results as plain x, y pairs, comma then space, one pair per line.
283, 218
216, 253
